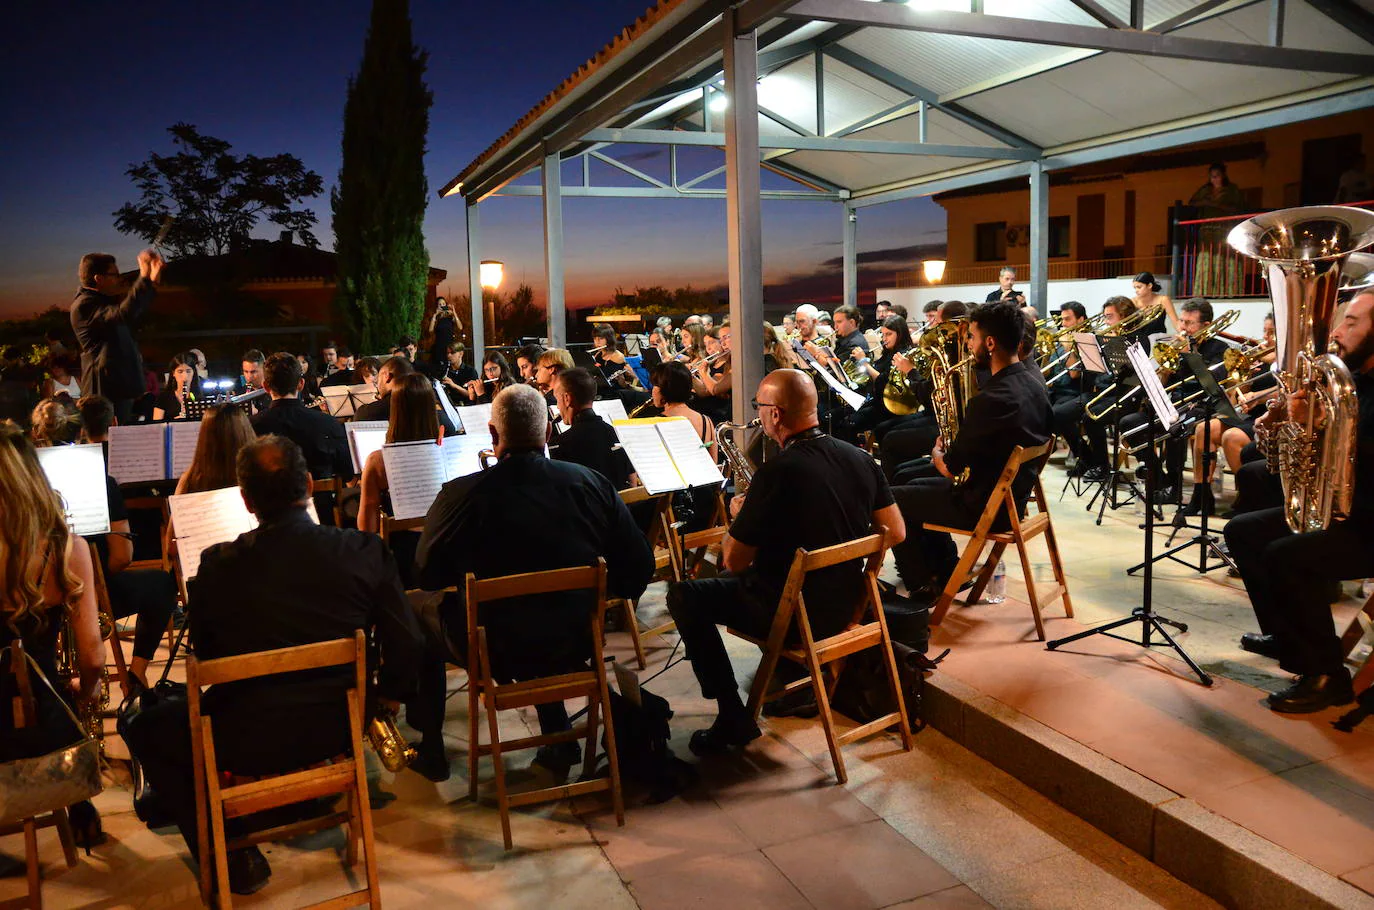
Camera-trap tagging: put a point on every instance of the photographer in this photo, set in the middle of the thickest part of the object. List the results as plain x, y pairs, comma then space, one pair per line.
443, 327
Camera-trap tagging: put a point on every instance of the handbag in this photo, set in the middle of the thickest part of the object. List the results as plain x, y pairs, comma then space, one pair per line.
35, 786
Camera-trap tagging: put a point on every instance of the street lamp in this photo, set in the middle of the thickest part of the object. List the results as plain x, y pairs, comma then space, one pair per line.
934, 270
490, 273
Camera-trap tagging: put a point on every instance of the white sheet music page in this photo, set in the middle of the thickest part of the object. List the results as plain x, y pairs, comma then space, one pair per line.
449, 410
610, 410
649, 455
201, 520
847, 395
138, 454
185, 435
474, 419
1090, 352
693, 459
364, 438
336, 400
1164, 409
77, 473
414, 473
461, 455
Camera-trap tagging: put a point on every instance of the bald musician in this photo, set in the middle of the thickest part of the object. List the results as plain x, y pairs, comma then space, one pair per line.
844, 497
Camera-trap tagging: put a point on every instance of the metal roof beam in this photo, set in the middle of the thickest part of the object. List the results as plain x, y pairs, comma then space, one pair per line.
620, 165
1349, 15
1100, 13
1126, 41
656, 192
812, 144
1190, 17
783, 121
915, 90
944, 184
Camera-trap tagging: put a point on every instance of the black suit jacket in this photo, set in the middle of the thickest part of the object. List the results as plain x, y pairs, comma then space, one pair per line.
321, 437
110, 362
588, 442
1011, 408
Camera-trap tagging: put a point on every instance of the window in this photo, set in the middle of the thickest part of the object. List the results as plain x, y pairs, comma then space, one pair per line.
1059, 236
990, 241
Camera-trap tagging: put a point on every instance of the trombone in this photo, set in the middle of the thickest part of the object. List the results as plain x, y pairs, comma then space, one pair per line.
1165, 353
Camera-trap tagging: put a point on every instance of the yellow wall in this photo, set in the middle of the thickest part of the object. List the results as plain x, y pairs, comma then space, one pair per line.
1276, 173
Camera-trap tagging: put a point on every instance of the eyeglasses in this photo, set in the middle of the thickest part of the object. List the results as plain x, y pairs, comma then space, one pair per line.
765, 404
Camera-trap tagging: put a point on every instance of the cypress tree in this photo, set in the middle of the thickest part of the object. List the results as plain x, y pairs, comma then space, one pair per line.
379, 202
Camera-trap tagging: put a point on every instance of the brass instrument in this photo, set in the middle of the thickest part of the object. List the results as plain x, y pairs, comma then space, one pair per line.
639, 407
1134, 322
951, 378
740, 467
898, 395
486, 458
1303, 252
386, 740
88, 711
1165, 353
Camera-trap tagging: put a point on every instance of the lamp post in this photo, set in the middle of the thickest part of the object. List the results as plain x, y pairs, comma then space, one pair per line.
490, 273
934, 270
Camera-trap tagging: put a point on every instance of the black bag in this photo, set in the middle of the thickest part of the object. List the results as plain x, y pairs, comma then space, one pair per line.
641, 739
863, 694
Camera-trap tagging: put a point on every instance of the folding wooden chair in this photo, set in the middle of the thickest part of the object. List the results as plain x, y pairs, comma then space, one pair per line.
493, 696
829, 653
345, 775
25, 716
665, 564
1364, 676
333, 485
390, 526
695, 546
1001, 502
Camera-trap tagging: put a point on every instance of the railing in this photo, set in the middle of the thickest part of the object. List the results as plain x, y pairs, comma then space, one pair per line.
1060, 270
1208, 267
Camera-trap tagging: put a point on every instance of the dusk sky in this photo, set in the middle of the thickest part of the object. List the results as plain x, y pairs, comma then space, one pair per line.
91, 88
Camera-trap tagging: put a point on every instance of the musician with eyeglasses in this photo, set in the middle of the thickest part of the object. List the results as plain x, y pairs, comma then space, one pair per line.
815, 493
1071, 387
1288, 575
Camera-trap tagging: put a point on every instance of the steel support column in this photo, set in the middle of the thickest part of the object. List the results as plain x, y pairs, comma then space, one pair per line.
744, 223
851, 257
552, 173
478, 315
1039, 237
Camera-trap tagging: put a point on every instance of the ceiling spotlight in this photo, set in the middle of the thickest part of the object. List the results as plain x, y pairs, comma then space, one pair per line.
718, 103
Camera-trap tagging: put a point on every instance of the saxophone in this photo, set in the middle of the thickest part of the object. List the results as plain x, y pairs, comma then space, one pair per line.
740, 467
386, 740
1303, 252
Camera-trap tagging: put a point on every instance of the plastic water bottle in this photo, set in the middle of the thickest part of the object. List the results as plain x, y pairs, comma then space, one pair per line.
997, 588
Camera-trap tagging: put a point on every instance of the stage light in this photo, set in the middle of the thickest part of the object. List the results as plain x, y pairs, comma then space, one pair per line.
934, 270
718, 102
490, 274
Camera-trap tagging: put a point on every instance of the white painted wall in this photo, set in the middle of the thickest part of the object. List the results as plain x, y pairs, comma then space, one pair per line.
1089, 292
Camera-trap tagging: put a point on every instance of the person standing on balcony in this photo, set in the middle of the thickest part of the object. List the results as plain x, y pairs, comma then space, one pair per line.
1005, 279
1217, 271
1147, 294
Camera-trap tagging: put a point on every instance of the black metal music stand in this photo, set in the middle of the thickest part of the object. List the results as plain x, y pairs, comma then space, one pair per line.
1214, 403
1114, 351
1150, 621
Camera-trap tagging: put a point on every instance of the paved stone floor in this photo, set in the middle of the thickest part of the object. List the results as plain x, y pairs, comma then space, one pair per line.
936, 827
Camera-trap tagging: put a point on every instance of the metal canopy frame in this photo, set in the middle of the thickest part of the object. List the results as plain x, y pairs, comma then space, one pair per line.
694, 49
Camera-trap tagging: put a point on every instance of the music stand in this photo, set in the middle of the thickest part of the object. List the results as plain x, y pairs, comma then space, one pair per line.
1214, 403
1090, 360
195, 409
1116, 359
1150, 621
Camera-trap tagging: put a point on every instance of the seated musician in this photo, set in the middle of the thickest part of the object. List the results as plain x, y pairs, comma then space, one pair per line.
393, 370
712, 381
1287, 575
1011, 408
777, 350
586, 438
1070, 388
526, 360
481, 524
547, 368
849, 344
457, 374
320, 437
610, 358
671, 392
289, 582
342, 370
1232, 434
845, 498
180, 388
250, 380
877, 414
496, 375
1194, 316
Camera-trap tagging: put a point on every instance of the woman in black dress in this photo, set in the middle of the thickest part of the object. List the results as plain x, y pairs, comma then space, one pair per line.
178, 391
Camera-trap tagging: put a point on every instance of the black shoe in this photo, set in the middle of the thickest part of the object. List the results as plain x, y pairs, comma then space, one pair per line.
1079, 469
1202, 502
87, 832
799, 703
151, 809
1314, 692
723, 736
558, 757
248, 870
1142, 473
431, 762
1263, 645
1098, 473
1164, 495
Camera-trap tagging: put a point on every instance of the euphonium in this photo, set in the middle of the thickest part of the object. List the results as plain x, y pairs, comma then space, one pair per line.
1303, 252
898, 395
951, 379
386, 740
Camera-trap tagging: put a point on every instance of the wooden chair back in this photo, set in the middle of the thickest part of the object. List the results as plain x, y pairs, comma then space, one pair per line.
333, 485
102, 600
662, 542
485, 692
346, 775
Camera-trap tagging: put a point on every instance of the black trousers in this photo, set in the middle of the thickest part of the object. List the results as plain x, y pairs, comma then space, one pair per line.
150, 593
1068, 414
907, 443
1256, 487
1170, 473
699, 606
929, 557
1287, 576
124, 410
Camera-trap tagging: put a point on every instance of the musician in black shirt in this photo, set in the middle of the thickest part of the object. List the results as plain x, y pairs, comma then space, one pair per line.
1005, 292
481, 524
586, 438
289, 582
394, 368
1071, 387
876, 413
320, 437
458, 374
1011, 408
1287, 575
815, 493
849, 336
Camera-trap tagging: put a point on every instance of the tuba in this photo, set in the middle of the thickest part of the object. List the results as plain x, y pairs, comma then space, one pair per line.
1303, 252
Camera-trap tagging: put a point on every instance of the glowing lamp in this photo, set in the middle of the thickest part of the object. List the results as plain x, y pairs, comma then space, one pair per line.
490, 274
934, 270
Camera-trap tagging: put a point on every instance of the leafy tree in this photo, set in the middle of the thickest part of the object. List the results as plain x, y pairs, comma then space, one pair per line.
517, 316
379, 204
216, 198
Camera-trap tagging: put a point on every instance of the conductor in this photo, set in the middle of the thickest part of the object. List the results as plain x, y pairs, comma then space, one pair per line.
104, 321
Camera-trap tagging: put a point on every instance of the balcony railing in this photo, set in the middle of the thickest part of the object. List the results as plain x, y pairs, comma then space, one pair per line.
1060, 270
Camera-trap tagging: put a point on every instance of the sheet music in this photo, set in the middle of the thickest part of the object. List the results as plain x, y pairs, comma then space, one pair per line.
649, 455
556, 419
693, 459
185, 435
461, 455
847, 395
337, 400
138, 454
364, 438
1164, 409
201, 520
1089, 352
77, 473
449, 410
474, 419
414, 473
610, 410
